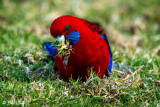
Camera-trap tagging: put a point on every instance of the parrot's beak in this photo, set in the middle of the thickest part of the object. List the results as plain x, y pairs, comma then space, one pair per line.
63, 44
60, 38
64, 48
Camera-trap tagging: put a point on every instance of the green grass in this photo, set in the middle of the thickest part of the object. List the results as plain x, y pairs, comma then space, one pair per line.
26, 71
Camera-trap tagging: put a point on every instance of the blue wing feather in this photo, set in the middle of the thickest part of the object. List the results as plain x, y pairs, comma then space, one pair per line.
110, 55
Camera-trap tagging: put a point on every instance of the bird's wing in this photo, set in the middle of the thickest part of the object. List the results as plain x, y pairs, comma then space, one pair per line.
96, 29
110, 53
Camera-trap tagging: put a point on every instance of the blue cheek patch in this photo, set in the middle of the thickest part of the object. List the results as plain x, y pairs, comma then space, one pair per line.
51, 49
110, 55
73, 37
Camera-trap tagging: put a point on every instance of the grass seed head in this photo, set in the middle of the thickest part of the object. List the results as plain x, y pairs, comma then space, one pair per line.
62, 47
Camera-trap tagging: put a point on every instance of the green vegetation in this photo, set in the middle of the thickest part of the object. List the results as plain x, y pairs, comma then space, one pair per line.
27, 77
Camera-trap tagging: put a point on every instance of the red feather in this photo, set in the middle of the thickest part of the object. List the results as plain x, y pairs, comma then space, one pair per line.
90, 51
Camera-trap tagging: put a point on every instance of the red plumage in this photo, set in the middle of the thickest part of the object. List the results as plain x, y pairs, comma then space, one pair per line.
90, 51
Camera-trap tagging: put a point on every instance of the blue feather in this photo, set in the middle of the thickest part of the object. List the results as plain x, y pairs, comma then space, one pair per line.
51, 49
73, 37
102, 36
110, 60
110, 55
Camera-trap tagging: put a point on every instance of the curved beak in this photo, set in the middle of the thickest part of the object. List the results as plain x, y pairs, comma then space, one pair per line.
60, 38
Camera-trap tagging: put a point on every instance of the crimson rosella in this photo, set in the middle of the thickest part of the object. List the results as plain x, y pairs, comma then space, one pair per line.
90, 48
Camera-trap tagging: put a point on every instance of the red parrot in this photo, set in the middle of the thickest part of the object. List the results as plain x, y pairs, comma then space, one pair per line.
90, 48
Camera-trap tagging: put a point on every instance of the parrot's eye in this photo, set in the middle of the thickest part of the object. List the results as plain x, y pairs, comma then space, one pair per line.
67, 27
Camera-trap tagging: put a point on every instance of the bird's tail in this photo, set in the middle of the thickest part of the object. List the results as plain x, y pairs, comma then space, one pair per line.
51, 49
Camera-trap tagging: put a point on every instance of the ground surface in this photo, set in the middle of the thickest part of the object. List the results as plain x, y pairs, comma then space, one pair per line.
26, 72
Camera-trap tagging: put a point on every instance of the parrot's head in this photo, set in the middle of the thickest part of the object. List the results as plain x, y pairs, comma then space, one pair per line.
65, 28
60, 26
